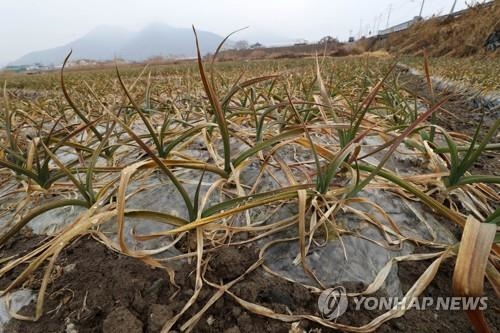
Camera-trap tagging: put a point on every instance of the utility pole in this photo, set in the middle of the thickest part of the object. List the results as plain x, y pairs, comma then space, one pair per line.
421, 8
453, 7
389, 16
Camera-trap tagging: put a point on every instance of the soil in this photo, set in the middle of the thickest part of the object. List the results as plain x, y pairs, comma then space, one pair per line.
97, 290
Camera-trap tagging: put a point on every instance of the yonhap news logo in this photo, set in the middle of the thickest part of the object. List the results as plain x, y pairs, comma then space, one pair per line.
333, 303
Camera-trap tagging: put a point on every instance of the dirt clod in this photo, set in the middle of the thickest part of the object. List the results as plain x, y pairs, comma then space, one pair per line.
121, 320
159, 314
233, 329
229, 263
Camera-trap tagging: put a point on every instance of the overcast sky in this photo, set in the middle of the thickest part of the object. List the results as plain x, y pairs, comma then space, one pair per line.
31, 25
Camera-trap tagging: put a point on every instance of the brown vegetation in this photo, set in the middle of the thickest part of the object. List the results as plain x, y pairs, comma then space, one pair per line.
290, 51
459, 36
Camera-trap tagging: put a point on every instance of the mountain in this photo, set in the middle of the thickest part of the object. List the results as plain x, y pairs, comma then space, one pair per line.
99, 44
106, 43
159, 39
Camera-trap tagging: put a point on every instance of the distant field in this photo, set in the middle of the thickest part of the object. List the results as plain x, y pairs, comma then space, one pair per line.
482, 74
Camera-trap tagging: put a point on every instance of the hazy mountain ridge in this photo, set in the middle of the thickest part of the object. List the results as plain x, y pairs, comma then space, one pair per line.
107, 42
162, 40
